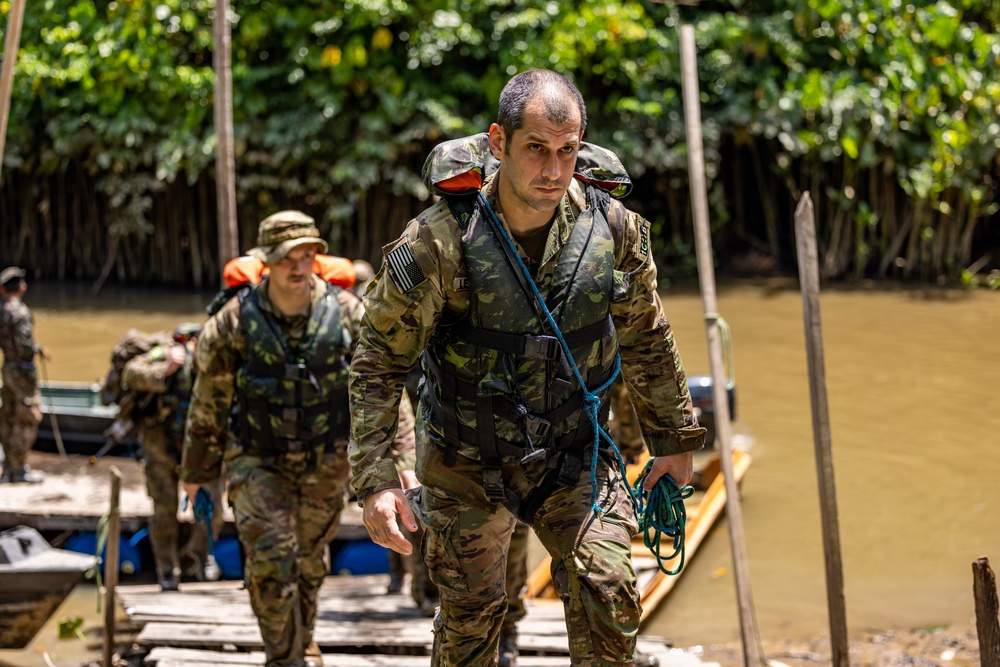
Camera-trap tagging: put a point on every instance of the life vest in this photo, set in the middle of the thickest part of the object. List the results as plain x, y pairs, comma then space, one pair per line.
498, 378
292, 399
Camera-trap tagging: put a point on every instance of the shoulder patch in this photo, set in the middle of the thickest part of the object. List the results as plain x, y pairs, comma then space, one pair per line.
644, 239
403, 267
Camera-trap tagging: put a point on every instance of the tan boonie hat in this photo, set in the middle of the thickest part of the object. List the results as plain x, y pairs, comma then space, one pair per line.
280, 232
10, 273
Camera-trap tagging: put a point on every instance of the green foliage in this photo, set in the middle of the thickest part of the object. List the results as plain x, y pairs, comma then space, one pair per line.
334, 97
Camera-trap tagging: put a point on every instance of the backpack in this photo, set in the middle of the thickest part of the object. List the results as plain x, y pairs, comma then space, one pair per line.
132, 344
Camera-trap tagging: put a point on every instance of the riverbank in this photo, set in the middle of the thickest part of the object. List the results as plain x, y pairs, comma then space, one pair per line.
927, 647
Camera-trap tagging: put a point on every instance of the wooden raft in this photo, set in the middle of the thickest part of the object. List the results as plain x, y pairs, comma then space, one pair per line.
357, 626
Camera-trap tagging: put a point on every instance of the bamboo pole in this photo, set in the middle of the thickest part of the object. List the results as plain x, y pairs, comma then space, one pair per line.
225, 162
706, 277
808, 258
12, 39
111, 567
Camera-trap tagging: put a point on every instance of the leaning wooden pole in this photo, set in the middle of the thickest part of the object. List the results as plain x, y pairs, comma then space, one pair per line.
706, 277
808, 258
111, 567
984, 587
11, 42
225, 162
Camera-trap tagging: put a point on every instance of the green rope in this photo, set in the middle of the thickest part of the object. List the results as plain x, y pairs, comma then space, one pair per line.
661, 512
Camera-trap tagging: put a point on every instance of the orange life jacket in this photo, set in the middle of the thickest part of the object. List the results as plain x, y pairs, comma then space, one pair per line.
334, 270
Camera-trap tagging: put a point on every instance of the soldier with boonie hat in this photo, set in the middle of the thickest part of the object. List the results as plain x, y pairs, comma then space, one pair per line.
280, 232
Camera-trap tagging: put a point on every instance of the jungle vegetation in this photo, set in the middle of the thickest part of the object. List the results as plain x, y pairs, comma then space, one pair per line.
885, 110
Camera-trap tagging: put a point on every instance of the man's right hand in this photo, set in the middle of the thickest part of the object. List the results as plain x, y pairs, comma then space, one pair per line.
380, 510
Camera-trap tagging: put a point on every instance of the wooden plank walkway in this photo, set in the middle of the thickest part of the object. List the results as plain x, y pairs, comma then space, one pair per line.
357, 626
76, 493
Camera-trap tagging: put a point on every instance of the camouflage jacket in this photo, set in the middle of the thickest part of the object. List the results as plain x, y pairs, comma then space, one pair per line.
222, 350
17, 337
400, 320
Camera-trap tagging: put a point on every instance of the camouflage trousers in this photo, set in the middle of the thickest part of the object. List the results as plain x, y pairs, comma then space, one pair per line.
163, 454
20, 414
286, 515
465, 547
515, 577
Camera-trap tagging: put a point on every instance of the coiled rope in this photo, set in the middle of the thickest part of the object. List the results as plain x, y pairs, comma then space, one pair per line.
661, 512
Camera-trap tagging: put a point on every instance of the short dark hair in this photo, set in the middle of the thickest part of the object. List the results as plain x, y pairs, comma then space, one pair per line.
524, 86
13, 284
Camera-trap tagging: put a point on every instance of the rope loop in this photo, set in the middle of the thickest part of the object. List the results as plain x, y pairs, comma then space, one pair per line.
661, 512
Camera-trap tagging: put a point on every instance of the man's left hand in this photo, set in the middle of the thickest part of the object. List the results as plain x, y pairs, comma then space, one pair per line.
679, 466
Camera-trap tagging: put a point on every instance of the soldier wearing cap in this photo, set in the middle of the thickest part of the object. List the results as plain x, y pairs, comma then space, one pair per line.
270, 400
164, 377
21, 413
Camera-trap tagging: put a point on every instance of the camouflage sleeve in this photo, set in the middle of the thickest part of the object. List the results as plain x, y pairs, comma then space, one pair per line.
651, 363
352, 313
23, 334
404, 445
402, 307
147, 372
218, 358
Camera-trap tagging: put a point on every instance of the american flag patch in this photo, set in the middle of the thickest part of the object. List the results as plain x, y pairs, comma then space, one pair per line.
403, 268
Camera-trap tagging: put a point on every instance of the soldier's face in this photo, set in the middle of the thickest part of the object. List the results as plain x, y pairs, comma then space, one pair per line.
292, 273
536, 161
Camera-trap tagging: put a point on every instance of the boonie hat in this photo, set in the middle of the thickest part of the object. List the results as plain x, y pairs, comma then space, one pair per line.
10, 273
279, 232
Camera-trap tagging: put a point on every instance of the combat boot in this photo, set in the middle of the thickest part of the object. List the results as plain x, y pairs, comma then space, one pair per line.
508, 647
313, 656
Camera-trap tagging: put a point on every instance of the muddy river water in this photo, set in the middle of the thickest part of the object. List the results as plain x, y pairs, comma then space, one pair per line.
912, 377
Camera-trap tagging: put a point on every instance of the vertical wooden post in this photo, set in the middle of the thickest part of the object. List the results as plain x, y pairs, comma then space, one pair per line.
808, 258
11, 41
706, 276
225, 162
987, 626
111, 566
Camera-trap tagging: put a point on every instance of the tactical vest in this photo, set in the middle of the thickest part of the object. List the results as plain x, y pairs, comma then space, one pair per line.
292, 400
498, 378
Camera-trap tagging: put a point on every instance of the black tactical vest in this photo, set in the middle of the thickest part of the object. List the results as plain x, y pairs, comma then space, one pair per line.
292, 400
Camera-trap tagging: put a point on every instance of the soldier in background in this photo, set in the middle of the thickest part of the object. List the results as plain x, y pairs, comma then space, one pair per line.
21, 413
164, 377
274, 361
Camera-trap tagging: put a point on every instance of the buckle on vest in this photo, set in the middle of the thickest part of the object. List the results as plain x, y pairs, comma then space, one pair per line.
493, 484
536, 428
541, 347
294, 446
296, 372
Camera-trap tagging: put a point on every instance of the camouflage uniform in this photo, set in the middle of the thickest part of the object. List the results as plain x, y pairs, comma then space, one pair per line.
21, 401
427, 279
624, 428
287, 505
162, 436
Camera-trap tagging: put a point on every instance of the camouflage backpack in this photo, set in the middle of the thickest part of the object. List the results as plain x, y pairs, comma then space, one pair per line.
132, 344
